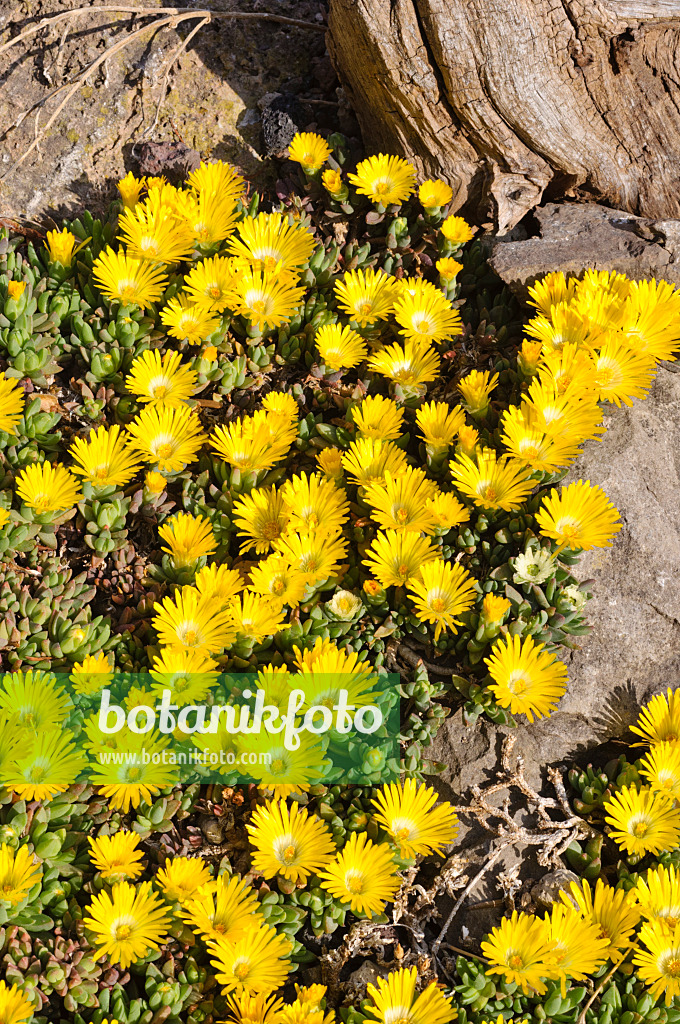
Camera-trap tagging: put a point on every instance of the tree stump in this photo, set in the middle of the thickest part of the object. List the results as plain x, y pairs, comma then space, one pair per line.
513, 101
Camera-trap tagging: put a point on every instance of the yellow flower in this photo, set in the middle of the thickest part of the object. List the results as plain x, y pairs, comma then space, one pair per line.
611, 910
551, 290
208, 217
152, 231
384, 179
312, 501
562, 325
218, 584
104, 460
657, 896
181, 878
448, 268
254, 618
223, 909
438, 424
396, 557
569, 368
494, 608
526, 678
330, 463
333, 183
446, 511
411, 363
467, 441
366, 295
48, 765
281, 403
15, 1006
572, 415
315, 552
210, 282
130, 189
476, 388
117, 857
529, 356
128, 924
276, 578
340, 348
36, 698
529, 445
132, 282
217, 178
520, 951
91, 674
262, 517
188, 538
378, 417
188, 675
272, 243
20, 871
363, 874
11, 403
288, 841
400, 503
190, 620
154, 482
189, 321
492, 482
407, 812
580, 517
161, 381
621, 375
661, 768
127, 784
255, 963
578, 950
659, 719
425, 315
259, 1009
395, 999
247, 445
167, 438
642, 821
309, 150
266, 299
62, 246
444, 591
456, 231
649, 319
47, 488
434, 193
369, 459
659, 965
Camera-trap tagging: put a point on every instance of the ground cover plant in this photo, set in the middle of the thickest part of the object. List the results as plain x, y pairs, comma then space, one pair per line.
314, 442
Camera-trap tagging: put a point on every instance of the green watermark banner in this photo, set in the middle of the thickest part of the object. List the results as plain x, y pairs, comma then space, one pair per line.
148, 731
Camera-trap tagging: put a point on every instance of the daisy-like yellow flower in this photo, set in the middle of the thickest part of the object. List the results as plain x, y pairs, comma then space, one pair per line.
520, 951
657, 896
47, 765
578, 950
538, 451
188, 538
259, 1009
314, 552
562, 325
330, 463
611, 910
467, 441
396, 557
659, 964
168, 438
334, 185
444, 591
650, 319
275, 578
434, 193
20, 870
128, 784
426, 315
569, 368
659, 720
551, 290
412, 363
91, 674
154, 482
262, 516
395, 998
400, 503
642, 821
152, 232
189, 321
340, 348
181, 878
620, 374
494, 608
11, 404
254, 618
224, 908
218, 584
47, 488
309, 150
446, 511
456, 231
254, 963
210, 283
407, 812
191, 620
526, 678
266, 299
369, 459
448, 268
490, 481
439, 424
62, 246
363, 874
117, 857
366, 295
378, 417
127, 924
661, 768
36, 698
104, 460
281, 403
161, 381
247, 446
130, 281
384, 179
15, 1006
580, 517
288, 841
272, 243
572, 414
188, 675
529, 356
312, 501
209, 218
217, 178
476, 388
130, 189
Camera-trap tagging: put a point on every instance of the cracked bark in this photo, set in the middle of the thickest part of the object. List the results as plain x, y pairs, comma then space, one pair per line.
513, 101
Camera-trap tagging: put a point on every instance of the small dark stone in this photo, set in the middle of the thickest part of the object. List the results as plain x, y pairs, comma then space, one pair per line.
281, 118
173, 159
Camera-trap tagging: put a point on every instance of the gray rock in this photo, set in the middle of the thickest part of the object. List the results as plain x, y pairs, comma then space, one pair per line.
547, 890
575, 236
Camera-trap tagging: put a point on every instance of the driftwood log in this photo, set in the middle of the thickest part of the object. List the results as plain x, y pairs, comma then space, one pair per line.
514, 101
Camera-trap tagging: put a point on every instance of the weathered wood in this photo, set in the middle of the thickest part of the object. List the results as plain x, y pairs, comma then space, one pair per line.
514, 100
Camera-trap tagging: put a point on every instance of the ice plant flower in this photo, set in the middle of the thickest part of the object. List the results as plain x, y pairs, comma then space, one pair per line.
263, 516
185, 673
189, 619
36, 698
642, 821
456, 231
316, 553
254, 963
612, 910
272, 243
47, 488
15, 1006
580, 517
266, 299
396, 557
189, 321
492, 481
434, 193
276, 578
219, 584
20, 871
527, 679
152, 231
309, 150
117, 857
161, 381
449, 269
426, 315
312, 501
659, 720
408, 813
519, 949
105, 459
363, 875
92, 674
340, 348
400, 502
132, 282
223, 909
476, 388
439, 424
288, 841
578, 950
658, 965
167, 438
661, 768
411, 364
209, 283
181, 878
657, 896
48, 764
386, 180
444, 591
62, 246
188, 538
378, 417
130, 189
366, 296
11, 404
127, 924
395, 999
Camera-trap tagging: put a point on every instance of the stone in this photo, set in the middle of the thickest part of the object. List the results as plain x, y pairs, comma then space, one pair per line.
576, 236
547, 890
174, 160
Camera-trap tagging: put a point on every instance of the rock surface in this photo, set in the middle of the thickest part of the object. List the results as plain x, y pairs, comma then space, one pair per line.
577, 236
633, 651
212, 102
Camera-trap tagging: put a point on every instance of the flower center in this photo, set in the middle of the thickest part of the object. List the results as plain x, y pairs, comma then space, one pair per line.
437, 604
641, 829
164, 451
